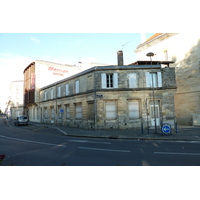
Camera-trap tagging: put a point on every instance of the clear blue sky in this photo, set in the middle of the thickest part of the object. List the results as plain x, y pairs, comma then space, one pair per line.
70, 48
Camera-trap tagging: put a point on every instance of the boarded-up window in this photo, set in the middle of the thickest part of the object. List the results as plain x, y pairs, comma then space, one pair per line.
133, 108
111, 112
90, 110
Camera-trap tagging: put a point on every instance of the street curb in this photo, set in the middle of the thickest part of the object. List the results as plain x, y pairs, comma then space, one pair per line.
112, 136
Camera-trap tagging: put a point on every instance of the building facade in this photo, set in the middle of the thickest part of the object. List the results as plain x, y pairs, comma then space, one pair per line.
39, 74
184, 50
15, 103
110, 97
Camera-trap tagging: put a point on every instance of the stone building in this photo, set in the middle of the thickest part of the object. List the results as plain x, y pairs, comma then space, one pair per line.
111, 97
39, 74
184, 50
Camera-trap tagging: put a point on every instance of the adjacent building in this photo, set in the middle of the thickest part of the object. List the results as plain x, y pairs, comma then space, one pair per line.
15, 103
184, 50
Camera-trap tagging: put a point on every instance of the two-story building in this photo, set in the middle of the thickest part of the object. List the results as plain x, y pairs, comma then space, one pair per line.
111, 97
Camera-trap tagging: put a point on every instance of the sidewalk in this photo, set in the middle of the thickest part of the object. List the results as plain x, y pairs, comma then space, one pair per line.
185, 133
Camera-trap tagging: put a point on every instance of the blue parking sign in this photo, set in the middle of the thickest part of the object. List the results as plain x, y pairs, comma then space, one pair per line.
166, 128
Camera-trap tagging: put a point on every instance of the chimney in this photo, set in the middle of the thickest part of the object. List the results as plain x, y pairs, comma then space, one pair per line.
120, 58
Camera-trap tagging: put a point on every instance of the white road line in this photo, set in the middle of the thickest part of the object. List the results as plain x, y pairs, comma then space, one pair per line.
176, 153
84, 141
97, 149
21, 140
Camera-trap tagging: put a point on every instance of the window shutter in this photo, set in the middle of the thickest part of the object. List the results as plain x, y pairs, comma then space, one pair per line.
159, 79
103, 80
67, 89
115, 80
132, 80
148, 81
77, 86
111, 110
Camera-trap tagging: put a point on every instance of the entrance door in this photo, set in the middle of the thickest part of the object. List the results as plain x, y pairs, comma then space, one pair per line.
157, 117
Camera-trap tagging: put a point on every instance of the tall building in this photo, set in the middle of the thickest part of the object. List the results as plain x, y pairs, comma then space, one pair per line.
15, 103
183, 50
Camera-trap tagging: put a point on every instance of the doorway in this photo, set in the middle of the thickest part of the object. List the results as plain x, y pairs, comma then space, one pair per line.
157, 113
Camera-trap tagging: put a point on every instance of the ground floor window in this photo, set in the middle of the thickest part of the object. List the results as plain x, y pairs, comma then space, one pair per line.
52, 113
134, 111
90, 110
67, 111
78, 111
45, 113
111, 111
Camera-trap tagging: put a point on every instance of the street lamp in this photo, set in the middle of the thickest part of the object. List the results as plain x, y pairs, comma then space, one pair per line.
150, 54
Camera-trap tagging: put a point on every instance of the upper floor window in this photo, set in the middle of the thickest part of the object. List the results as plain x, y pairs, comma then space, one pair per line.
133, 82
45, 95
77, 86
153, 79
109, 80
52, 94
59, 91
67, 89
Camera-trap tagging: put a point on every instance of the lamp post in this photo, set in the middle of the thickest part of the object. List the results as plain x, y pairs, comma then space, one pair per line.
150, 54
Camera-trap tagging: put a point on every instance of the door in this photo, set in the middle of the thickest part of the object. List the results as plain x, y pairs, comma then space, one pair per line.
156, 116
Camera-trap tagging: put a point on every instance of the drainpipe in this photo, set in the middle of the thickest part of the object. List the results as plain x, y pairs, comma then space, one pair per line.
95, 101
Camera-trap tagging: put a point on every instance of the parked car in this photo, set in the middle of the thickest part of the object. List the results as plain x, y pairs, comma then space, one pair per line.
21, 120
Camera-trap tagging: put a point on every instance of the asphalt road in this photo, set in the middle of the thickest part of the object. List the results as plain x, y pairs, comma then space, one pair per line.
39, 147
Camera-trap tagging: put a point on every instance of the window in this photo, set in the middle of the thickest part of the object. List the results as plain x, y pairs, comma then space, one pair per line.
52, 93
133, 108
52, 113
67, 89
67, 108
78, 111
90, 110
60, 111
154, 79
45, 95
111, 110
45, 113
59, 91
77, 87
132, 78
109, 80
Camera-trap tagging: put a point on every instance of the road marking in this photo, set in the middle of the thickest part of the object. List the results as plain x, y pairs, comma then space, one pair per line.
84, 141
176, 153
97, 149
21, 140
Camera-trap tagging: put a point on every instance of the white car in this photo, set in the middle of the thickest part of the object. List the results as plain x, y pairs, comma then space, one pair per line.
21, 120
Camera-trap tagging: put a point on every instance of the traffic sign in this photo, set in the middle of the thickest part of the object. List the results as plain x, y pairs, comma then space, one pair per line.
61, 110
166, 128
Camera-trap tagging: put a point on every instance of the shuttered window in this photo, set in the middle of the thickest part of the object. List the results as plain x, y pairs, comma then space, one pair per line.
132, 78
111, 112
67, 89
67, 111
77, 87
157, 79
133, 107
59, 91
78, 111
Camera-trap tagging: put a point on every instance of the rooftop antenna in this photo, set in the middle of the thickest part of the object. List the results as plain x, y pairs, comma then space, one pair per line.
125, 44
